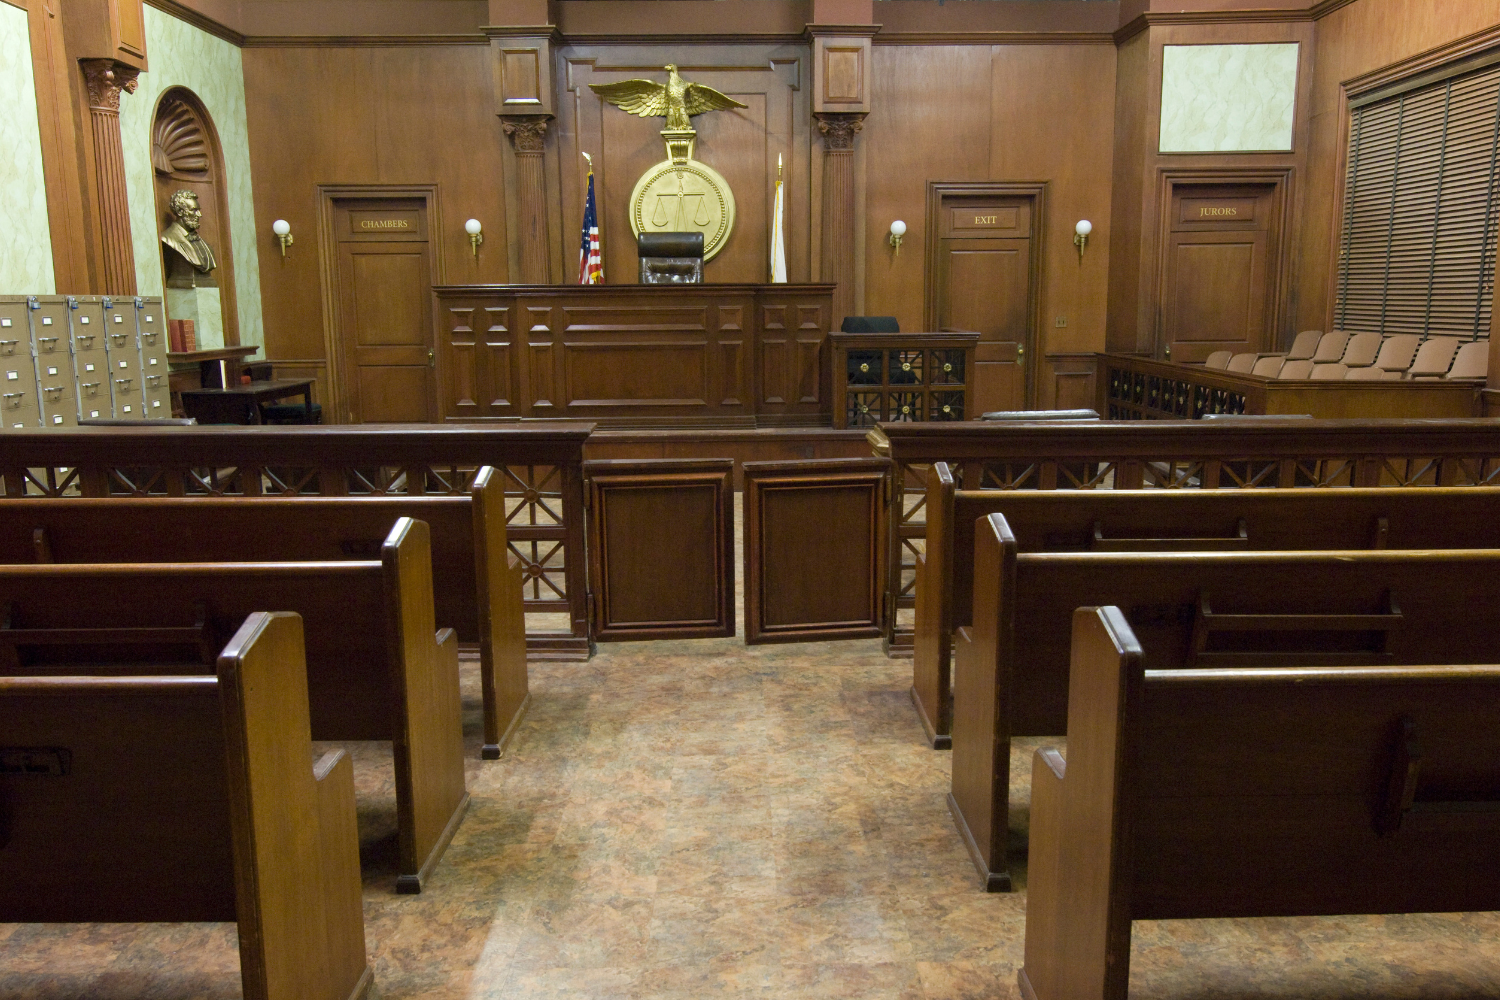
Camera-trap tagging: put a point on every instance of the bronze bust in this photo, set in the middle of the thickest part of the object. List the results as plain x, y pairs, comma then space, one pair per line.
182, 237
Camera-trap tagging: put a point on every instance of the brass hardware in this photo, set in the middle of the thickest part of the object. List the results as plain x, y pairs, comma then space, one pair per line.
947, 409
906, 409
906, 366
1169, 352
865, 367
431, 358
1021, 352
947, 367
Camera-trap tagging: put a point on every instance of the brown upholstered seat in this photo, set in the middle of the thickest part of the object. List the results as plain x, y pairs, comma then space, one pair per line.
1242, 362
1330, 347
1305, 346
1330, 371
1434, 357
1472, 361
1268, 366
1370, 373
1361, 350
1397, 352
1300, 368
1218, 359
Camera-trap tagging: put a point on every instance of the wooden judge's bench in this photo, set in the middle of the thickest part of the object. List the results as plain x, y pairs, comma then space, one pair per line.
703, 355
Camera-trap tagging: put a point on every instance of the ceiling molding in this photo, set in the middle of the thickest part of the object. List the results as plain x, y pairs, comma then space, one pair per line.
358, 41
994, 38
1151, 19
1325, 7
183, 12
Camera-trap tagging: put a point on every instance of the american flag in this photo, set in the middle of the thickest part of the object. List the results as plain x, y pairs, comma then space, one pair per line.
590, 257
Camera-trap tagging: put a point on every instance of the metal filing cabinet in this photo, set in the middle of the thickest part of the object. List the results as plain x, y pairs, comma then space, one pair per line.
57, 389
18, 395
90, 359
124, 358
151, 328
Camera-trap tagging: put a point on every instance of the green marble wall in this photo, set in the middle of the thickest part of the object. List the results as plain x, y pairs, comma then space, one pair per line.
181, 55
1228, 98
26, 250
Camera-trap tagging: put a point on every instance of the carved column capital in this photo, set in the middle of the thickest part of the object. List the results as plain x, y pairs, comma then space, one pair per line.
839, 130
105, 79
527, 132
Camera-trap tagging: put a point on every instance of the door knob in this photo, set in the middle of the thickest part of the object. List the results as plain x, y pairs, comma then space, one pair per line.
431, 358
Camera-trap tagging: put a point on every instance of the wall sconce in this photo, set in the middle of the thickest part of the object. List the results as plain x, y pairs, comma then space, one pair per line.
476, 235
283, 231
898, 230
1081, 236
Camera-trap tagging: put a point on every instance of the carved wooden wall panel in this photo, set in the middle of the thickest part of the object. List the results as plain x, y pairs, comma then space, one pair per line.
742, 144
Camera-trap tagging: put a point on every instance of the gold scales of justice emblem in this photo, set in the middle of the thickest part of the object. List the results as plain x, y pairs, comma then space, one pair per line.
679, 194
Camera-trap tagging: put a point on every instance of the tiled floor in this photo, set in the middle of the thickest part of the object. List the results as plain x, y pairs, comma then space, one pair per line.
702, 819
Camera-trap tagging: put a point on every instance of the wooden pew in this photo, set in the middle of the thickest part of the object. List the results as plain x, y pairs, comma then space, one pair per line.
1251, 792
1162, 520
168, 798
377, 669
476, 590
1193, 609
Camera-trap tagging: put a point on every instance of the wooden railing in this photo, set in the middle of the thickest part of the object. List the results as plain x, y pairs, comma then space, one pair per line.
1175, 454
541, 464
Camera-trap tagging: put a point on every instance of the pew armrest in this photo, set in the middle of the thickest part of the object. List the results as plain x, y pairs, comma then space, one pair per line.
338, 870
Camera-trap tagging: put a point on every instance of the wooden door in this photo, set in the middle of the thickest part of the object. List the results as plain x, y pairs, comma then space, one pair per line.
661, 548
984, 283
385, 310
1217, 281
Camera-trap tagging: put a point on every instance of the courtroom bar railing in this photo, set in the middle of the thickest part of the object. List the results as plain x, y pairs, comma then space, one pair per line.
541, 462
1136, 388
1164, 454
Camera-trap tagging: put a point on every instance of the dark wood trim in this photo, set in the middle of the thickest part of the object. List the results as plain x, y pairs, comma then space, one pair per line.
1405, 75
336, 406
1283, 198
995, 38
201, 21
1201, 17
356, 41
1326, 7
1037, 192
19, 4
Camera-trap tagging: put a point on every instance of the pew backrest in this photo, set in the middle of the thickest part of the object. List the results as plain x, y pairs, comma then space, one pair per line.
166, 798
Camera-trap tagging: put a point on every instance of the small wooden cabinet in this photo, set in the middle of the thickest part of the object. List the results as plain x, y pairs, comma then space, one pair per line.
902, 377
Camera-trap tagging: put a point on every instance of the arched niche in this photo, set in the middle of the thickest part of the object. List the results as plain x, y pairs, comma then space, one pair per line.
186, 154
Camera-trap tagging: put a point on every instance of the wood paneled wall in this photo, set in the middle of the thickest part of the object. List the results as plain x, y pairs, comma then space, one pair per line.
369, 115
947, 112
1354, 40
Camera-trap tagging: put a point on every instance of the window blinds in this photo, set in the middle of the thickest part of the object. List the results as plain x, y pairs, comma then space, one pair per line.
1418, 244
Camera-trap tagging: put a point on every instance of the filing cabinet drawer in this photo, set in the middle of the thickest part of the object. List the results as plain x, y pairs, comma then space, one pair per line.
13, 328
56, 389
88, 325
94, 398
18, 396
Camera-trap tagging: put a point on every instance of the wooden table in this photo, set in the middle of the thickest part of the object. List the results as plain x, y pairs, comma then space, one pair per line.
240, 404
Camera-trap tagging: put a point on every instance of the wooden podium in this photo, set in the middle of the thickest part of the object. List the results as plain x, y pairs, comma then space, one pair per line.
636, 355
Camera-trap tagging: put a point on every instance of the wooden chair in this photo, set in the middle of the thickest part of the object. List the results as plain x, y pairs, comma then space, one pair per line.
1300, 368
1268, 366
1471, 361
1434, 357
1305, 346
1361, 350
377, 668
1242, 363
1218, 359
1398, 351
477, 590
189, 798
1330, 347
1193, 609
1233, 792
1160, 520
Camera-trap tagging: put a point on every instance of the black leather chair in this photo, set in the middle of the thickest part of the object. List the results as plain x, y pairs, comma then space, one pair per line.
671, 258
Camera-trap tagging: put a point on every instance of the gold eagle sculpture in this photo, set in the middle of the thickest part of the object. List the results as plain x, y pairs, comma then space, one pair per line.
677, 99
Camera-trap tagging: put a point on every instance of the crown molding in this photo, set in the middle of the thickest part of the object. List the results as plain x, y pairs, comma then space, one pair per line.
183, 12
358, 41
994, 38
1325, 7
1151, 19
842, 30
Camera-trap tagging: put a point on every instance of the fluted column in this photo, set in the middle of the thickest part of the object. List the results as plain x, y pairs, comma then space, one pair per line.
838, 263
106, 79
528, 135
